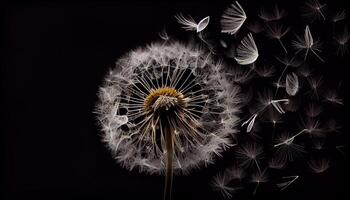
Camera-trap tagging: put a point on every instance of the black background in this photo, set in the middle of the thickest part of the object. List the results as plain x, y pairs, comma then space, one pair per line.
55, 57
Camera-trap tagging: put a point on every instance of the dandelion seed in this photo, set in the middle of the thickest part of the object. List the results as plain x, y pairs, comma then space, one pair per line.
313, 127
289, 140
221, 183
190, 25
293, 105
276, 104
203, 24
273, 14
288, 151
247, 51
274, 118
341, 148
239, 74
167, 109
287, 62
232, 18
292, 84
258, 178
319, 165
314, 10
277, 31
318, 144
305, 71
284, 185
250, 122
266, 99
342, 40
332, 126
341, 15
255, 26
313, 110
307, 44
315, 85
265, 71
249, 154
236, 173
164, 35
276, 163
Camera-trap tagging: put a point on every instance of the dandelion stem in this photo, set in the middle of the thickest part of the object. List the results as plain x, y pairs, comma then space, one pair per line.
169, 143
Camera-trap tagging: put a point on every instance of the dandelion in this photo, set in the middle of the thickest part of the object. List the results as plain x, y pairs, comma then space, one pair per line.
167, 109
247, 51
307, 44
314, 10
288, 180
319, 165
233, 18
342, 40
292, 84
190, 25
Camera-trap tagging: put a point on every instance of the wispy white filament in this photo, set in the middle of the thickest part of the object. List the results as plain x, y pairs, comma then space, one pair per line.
233, 19
247, 51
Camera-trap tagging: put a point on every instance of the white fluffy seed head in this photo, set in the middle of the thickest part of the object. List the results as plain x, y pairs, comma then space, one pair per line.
173, 83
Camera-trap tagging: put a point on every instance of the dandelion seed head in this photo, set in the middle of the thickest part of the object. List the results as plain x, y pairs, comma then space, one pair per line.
175, 86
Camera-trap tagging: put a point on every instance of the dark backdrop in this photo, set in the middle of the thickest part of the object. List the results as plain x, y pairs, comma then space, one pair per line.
55, 57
